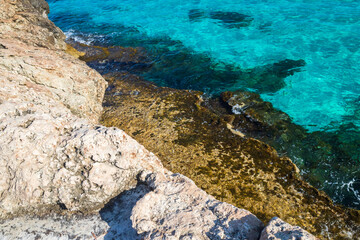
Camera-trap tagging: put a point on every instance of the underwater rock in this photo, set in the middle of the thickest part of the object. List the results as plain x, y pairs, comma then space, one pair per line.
191, 139
331, 155
231, 19
184, 69
286, 67
270, 77
226, 19
113, 59
196, 14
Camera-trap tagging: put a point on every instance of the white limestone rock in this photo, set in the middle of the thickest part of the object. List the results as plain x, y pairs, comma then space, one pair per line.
277, 229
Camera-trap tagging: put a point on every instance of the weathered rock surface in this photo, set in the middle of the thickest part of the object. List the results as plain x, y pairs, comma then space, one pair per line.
28, 38
277, 229
59, 169
51, 157
26, 20
53, 227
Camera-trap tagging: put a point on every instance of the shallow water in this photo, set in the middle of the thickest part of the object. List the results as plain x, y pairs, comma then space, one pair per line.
199, 44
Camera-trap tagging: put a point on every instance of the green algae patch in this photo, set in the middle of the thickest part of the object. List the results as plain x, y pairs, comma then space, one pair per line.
193, 140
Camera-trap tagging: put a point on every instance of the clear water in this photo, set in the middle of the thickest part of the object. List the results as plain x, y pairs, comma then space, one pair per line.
324, 96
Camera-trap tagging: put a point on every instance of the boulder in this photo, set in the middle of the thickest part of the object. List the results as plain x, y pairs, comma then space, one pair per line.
277, 229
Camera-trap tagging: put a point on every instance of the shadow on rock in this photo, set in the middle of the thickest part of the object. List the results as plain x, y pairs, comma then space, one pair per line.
236, 229
118, 211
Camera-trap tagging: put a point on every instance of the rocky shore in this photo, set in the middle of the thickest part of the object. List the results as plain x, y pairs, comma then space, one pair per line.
66, 177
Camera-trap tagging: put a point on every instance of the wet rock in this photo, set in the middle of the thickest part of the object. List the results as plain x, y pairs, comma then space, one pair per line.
277, 229
113, 59
231, 19
330, 155
189, 138
258, 114
72, 51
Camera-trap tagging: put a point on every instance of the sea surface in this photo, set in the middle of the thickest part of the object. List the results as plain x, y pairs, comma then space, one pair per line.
208, 45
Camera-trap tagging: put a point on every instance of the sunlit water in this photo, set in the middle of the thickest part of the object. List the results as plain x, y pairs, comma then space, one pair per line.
324, 96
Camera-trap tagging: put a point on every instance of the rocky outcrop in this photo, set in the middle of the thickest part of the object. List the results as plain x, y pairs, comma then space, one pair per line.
27, 21
203, 139
28, 38
63, 177
277, 229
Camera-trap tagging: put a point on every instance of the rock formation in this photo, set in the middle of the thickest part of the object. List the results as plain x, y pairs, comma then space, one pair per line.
63, 176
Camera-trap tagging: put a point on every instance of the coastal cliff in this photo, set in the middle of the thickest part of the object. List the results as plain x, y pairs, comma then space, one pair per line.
65, 177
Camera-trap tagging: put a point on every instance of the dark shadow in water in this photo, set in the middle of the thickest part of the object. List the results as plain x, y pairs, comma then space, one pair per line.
117, 214
223, 18
176, 66
169, 63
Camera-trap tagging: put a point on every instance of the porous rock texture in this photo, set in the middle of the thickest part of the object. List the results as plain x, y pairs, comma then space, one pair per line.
59, 171
277, 229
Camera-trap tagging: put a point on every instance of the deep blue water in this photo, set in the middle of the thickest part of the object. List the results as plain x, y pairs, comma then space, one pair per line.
236, 35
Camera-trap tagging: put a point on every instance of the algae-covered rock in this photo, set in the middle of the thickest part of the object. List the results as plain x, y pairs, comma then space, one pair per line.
329, 159
192, 139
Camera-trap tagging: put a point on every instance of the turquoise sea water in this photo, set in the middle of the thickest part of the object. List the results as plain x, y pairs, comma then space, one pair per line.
238, 34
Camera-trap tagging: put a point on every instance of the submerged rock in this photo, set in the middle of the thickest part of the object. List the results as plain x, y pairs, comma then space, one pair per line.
232, 19
191, 139
330, 155
196, 14
113, 59
226, 19
271, 77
